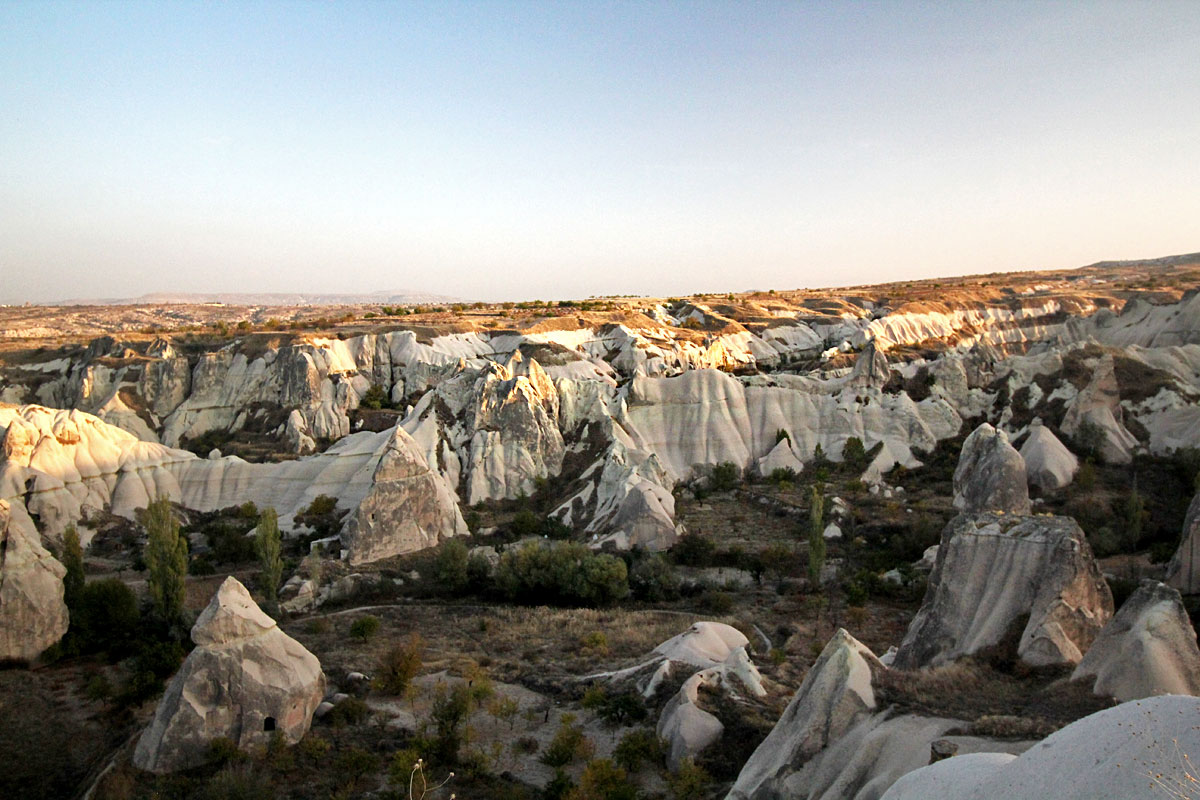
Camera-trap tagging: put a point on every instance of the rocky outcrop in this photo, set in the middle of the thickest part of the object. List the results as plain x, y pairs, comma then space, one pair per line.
1183, 572
994, 569
33, 615
246, 681
1100, 404
836, 694
991, 475
1148, 648
1049, 465
1138, 749
409, 507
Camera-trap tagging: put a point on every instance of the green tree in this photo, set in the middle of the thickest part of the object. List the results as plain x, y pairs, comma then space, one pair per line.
166, 562
450, 567
816, 538
270, 562
854, 455
73, 561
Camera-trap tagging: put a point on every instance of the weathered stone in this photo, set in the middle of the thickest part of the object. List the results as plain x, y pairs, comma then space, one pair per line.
1049, 465
993, 569
1184, 570
246, 680
409, 507
991, 475
1148, 648
33, 615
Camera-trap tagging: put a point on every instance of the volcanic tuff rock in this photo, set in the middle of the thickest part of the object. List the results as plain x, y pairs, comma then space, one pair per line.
1138, 749
991, 475
245, 680
1184, 570
1148, 648
1100, 404
993, 569
836, 693
33, 615
1049, 465
409, 507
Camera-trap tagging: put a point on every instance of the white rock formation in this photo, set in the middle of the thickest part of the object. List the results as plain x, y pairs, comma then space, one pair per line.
1049, 465
33, 615
245, 680
1100, 403
990, 476
836, 693
409, 507
993, 569
1140, 749
1148, 648
705, 644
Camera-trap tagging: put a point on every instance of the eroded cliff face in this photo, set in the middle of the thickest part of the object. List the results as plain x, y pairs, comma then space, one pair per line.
613, 415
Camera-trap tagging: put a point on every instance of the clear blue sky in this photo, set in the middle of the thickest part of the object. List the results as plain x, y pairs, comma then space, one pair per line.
519, 149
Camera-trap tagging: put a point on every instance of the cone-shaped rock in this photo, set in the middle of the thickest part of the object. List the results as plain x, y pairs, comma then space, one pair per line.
1184, 570
1148, 648
245, 680
991, 475
1049, 465
33, 615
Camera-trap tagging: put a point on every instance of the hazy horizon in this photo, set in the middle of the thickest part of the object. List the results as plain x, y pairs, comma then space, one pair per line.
501, 151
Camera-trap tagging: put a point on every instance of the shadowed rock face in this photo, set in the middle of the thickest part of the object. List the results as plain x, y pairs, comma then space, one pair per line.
1148, 648
991, 475
1184, 570
245, 680
409, 507
33, 615
992, 570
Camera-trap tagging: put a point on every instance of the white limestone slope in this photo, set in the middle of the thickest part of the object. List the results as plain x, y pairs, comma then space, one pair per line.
1140, 749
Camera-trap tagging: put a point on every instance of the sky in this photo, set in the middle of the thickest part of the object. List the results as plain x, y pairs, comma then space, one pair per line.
521, 150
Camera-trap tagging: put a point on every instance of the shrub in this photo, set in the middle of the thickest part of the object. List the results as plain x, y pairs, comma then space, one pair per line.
653, 579
240, 782
569, 744
374, 398
449, 712
106, 618
399, 665
816, 538
854, 455
450, 567
266, 543
566, 573
72, 559
365, 627
323, 516
1089, 440
594, 644
782, 477
688, 781
350, 711
638, 746
603, 780
725, 477
166, 562
694, 550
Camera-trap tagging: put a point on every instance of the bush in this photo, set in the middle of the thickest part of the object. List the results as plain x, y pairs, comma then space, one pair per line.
688, 781
854, 455
351, 711
569, 744
449, 712
566, 573
725, 477
638, 746
782, 477
694, 550
322, 516
1089, 441
604, 780
450, 567
399, 665
653, 579
106, 618
375, 398
240, 782
365, 627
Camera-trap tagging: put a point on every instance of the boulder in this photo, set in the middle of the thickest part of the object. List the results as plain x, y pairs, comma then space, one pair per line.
836, 693
993, 569
1049, 465
991, 475
705, 644
409, 507
33, 615
1138, 749
1148, 648
1184, 570
246, 680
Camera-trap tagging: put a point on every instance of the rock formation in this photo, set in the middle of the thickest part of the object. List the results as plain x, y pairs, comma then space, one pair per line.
1183, 572
1100, 404
991, 475
992, 570
1148, 648
408, 507
1049, 465
836, 693
33, 615
246, 680
1138, 749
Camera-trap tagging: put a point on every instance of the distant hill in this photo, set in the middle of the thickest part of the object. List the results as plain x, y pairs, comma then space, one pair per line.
1164, 261
265, 299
